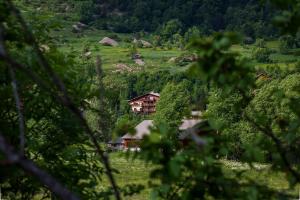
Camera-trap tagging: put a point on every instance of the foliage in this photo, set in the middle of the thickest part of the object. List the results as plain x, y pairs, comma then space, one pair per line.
141, 83
247, 120
260, 43
227, 70
247, 17
192, 33
194, 171
289, 42
262, 55
86, 11
289, 18
171, 28
55, 138
251, 116
172, 105
272, 107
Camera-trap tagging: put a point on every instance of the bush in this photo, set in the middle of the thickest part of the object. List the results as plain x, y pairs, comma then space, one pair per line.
170, 28
114, 36
127, 39
262, 55
261, 43
192, 33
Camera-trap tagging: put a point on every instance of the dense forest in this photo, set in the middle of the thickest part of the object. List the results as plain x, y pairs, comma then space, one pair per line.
126, 16
226, 124
247, 16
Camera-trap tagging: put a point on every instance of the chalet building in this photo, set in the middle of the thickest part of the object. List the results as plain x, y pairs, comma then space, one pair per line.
143, 129
116, 144
145, 104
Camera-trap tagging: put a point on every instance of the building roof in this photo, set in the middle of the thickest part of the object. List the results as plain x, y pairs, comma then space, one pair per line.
196, 113
200, 127
143, 128
150, 93
118, 140
155, 93
188, 123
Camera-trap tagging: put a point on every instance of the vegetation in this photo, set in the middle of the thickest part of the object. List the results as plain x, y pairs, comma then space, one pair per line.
61, 102
173, 104
131, 16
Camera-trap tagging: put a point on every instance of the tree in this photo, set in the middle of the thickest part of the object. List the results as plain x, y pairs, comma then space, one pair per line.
170, 28
172, 105
289, 42
192, 33
273, 107
53, 132
87, 10
262, 55
33, 80
246, 119
260, 43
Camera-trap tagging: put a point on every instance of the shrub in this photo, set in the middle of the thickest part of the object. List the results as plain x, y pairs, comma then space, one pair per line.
262, 55
260, 43
114, 36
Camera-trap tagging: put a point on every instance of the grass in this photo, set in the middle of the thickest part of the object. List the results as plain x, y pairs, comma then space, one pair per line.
137, 172
155, 59
131, 172
262, 174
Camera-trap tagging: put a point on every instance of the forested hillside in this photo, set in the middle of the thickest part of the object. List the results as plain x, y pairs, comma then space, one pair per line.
127, 16
130, 16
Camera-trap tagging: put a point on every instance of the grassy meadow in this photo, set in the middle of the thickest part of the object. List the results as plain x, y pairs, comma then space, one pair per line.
154, 58
135, 171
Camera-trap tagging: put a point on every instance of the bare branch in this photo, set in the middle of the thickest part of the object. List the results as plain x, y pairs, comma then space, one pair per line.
28, 166
19, 108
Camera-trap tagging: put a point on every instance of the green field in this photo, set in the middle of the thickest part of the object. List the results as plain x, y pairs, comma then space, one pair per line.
154, 58
135, 171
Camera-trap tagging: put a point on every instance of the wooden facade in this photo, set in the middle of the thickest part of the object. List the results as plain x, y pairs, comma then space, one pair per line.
145, 104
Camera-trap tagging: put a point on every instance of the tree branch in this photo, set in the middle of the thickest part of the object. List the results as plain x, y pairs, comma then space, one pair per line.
268, 132
101, 103
77, 113
19, 108
64, 99
28, 166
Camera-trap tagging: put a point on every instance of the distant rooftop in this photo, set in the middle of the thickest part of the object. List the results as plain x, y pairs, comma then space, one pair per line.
116, 141
143, 128
196, 113
154, 93
188, 123
150, 93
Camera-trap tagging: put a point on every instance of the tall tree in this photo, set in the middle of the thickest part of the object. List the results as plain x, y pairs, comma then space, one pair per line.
173, 104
